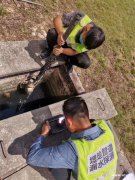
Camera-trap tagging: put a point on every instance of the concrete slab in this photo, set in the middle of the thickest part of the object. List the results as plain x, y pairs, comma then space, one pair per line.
99, 104
17, 60
28, 173
19, 132
76, 81
20, 57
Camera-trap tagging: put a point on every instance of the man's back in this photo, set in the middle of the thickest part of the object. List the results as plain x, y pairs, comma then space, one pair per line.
97, 159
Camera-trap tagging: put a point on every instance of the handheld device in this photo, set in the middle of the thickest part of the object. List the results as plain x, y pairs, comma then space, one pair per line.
57, 124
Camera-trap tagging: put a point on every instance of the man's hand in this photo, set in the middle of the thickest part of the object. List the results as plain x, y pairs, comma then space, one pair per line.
60, 40
57, 51
45, 129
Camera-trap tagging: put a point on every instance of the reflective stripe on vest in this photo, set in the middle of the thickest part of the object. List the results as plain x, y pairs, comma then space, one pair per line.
97, 159
71, 39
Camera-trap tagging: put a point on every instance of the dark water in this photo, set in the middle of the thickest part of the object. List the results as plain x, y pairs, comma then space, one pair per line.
10, 105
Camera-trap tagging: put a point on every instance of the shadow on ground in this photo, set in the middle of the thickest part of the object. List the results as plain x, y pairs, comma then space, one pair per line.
21, 145
34, 48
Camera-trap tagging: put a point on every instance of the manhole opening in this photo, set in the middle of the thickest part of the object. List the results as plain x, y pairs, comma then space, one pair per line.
53, 90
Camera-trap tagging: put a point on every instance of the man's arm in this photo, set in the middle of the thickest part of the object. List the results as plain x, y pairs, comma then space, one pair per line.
61, 156
58, 24
59, 28
66, 51
69, 51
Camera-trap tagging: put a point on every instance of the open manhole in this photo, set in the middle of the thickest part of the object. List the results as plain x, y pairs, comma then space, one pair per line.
59, 86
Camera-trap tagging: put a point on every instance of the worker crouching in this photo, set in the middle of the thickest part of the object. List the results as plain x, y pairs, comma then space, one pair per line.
90, 153
85, 36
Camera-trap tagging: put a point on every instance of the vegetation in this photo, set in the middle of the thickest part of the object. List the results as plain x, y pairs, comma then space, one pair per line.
3, 11
113, 64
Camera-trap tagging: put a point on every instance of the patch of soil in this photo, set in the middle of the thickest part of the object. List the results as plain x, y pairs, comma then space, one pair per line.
17, 24
26, 21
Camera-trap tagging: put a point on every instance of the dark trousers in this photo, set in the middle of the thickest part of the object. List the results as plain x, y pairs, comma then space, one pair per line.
81, 60
61, 174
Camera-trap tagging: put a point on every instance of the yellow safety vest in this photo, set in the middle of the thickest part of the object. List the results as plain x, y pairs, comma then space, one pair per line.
80, 48
97, 159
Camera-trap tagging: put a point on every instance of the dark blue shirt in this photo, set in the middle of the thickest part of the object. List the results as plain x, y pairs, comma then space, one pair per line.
61, 156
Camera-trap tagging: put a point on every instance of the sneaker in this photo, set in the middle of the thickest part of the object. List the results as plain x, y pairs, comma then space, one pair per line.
45, 54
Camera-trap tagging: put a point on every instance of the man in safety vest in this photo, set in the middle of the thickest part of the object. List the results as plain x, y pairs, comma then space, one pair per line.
85, 36
90, 152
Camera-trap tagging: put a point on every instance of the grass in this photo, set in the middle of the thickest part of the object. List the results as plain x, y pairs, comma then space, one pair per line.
25, 31
116, 17
3, 11
132, 83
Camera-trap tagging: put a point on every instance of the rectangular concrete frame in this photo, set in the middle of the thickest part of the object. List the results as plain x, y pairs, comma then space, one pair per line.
19, 132
19, 57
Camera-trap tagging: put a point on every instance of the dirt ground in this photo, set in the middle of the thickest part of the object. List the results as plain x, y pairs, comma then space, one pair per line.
21, 21
26, 21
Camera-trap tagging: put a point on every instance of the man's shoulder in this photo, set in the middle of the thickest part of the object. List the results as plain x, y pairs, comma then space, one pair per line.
68, 145
67, 150
80, 13
68, 17
71, 15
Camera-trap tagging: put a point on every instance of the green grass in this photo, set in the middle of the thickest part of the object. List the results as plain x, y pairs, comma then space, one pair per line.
24, 30
132, 83
117, 18
133, 71
3, 11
